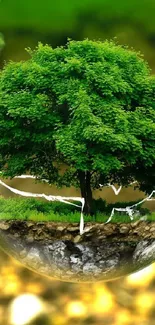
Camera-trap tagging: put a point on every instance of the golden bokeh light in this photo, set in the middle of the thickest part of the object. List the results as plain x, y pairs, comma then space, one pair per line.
144, 302
26, 296
141, 278
25, 308
104, 300
76, 309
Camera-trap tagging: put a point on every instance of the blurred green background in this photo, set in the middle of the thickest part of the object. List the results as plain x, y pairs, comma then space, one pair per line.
24, 23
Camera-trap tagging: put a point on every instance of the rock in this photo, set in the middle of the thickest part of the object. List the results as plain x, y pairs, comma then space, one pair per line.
88, 228
72, 229
4, 225
76, 263
112, 262
41, 236
60, 228
147, 235
88, 253
29, 239
89, 234
60, 255
74, 259
102, 237
77, 239
33, 258
49, 225
152, 229
67, 237
30, 224
144, 252
91, 268
109, 229
39, 231
124, 230
136, 223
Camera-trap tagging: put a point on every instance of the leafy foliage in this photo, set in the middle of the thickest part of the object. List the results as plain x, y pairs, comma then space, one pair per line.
89, 105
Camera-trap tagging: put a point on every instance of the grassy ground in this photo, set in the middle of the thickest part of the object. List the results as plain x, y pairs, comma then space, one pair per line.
39, 210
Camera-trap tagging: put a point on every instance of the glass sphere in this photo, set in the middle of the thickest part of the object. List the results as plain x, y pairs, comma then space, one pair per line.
59, 249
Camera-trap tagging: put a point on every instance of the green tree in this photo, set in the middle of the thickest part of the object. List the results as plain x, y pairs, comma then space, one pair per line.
89, 105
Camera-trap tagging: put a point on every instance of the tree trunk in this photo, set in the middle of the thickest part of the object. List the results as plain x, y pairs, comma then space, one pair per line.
86, 192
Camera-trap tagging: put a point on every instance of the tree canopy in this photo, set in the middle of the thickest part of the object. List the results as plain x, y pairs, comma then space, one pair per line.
89, 105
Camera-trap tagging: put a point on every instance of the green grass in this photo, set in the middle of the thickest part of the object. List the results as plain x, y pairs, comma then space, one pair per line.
39, 210
33, 215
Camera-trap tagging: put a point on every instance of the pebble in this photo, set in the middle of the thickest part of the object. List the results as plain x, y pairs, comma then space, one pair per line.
124, 230
73, 229
30, 224
77, 239
69, 231
60, 228
4, 226
135, 224
29, 239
